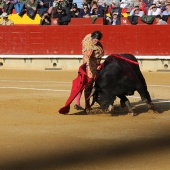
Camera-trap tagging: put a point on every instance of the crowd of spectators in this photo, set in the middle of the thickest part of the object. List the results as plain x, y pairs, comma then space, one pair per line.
64, 10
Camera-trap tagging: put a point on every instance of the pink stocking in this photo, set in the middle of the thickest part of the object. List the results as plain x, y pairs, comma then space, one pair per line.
78, 98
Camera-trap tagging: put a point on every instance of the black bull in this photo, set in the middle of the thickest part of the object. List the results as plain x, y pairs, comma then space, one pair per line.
120, 76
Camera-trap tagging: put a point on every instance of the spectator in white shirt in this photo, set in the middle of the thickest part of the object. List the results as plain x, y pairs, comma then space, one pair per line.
153, 10
136, 11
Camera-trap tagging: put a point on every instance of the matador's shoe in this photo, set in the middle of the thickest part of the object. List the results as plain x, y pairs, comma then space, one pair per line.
77, 107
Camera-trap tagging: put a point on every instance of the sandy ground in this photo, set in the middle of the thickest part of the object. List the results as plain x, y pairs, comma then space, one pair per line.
33, 135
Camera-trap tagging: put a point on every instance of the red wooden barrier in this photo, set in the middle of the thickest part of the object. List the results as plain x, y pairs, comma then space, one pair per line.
66, 40
81, 21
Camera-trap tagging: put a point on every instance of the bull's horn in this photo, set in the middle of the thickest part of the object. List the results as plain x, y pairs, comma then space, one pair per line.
91, 94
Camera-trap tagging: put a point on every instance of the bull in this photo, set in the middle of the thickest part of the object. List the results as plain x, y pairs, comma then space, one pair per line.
120, 76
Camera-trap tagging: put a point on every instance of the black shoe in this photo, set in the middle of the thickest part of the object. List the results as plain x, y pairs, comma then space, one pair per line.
77, 107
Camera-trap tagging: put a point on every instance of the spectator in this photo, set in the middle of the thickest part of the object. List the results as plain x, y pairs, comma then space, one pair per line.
159, 3
8, 6
61, 3
68, 7
60, 13
43, 6
160, 21
110, 7
85, 12
136, 12
153, 10
96, 11
148, 3
78, 2
167, 11
31, 6
1, 6
5, 20
142, 7
45, 20
124, 4
74, 12
114, 19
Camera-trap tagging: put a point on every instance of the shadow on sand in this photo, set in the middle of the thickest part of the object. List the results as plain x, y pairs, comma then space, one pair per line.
161, 105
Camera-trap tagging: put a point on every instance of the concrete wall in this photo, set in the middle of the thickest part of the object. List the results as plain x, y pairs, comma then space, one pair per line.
72, 64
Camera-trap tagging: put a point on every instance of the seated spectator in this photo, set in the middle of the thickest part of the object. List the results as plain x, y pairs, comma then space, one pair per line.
167, 9
68, 7
114, 19
124, 4
142, 7
96, 11
62, 3
19, 7
136, 11
45, 20
153, 10
74, 12
43, 6
31, 6
148, 3
60, 13
1, 6
5, 20
8, 6
79, 3
110, 7
160, 21
159, 3
84, 12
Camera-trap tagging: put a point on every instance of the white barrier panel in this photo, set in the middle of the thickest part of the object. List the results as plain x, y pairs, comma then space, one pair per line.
73, 56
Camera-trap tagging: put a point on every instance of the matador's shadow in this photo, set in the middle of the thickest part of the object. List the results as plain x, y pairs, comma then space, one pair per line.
161, 105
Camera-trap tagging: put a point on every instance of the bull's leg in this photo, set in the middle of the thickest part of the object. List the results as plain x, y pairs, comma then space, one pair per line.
111, 108
145, 98
125, 102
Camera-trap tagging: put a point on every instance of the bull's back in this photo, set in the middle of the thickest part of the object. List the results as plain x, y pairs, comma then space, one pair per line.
116, 71
129, 56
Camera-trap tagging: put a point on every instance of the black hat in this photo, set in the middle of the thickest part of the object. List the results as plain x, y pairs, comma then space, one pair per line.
74, 5
59, 7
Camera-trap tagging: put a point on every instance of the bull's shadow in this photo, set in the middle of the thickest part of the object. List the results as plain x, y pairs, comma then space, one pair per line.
139, 107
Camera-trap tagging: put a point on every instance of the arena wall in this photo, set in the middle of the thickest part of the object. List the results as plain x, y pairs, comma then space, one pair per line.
59, 47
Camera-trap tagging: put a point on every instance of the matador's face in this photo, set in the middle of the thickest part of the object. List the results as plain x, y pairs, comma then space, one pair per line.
95, 41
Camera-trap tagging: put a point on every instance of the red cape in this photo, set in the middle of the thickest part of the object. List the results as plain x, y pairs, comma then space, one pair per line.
78, 85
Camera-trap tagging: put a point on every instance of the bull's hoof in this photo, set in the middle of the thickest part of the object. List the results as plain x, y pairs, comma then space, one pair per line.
132, 114
110, 109
151, 106
88, 110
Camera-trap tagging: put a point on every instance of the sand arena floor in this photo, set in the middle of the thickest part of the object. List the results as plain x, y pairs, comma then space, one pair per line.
33, 135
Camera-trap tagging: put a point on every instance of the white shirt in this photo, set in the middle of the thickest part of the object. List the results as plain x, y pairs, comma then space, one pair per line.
157, 12
124, 4
141, 13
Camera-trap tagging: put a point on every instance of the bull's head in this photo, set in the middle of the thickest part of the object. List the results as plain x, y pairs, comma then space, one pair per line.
103, 98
